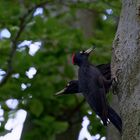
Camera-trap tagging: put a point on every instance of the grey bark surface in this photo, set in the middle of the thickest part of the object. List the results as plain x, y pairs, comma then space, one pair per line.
126, 67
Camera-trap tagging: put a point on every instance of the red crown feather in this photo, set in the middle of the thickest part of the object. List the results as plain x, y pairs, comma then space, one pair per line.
73, 58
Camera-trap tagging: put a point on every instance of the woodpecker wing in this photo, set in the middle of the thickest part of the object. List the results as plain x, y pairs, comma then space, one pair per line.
98, 105
92, 86
105, 70
99, 99
72, 87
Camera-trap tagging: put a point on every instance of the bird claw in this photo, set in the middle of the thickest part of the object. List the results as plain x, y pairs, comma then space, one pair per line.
114, 85
115, 80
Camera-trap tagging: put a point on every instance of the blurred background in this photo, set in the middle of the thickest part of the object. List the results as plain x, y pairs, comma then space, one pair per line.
37, 39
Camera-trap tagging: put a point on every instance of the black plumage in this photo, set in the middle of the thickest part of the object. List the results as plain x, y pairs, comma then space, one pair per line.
94, 86
71, 88
73, 85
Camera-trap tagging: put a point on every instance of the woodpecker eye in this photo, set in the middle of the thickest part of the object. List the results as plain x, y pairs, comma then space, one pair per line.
73, 58
68, 84
82, 52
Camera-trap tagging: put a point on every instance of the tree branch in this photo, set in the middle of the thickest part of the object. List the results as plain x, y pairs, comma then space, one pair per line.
22, 25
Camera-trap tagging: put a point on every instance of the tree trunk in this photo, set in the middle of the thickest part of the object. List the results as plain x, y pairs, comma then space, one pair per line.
126, 67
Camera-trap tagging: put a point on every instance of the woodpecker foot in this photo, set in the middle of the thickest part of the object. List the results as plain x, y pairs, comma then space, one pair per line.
114, 85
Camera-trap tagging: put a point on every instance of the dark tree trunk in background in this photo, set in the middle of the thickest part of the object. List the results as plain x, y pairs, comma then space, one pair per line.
126, 67
86, 21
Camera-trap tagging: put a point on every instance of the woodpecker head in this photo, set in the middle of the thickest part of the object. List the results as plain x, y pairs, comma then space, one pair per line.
70, 88
81, 57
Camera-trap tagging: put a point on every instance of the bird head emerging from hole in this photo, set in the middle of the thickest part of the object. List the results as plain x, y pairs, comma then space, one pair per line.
80, 57
70, 88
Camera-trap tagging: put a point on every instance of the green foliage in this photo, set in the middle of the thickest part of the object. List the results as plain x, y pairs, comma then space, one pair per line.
36, 107
60, 34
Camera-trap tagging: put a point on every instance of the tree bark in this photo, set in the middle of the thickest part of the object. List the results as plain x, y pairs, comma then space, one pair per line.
126, 67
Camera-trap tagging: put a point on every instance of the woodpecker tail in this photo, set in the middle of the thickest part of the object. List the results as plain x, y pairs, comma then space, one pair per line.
104, 121
115, 119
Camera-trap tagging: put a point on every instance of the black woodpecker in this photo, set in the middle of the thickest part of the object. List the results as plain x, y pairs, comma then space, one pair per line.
93, 85
73, 87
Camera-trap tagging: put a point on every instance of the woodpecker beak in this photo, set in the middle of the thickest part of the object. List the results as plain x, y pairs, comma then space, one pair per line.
60, 92
88, 51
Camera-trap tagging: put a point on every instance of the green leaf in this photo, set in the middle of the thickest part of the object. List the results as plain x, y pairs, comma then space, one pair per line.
36, 107
61, 127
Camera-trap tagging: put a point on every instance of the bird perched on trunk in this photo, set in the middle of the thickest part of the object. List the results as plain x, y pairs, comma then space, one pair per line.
93, 85
73, 87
